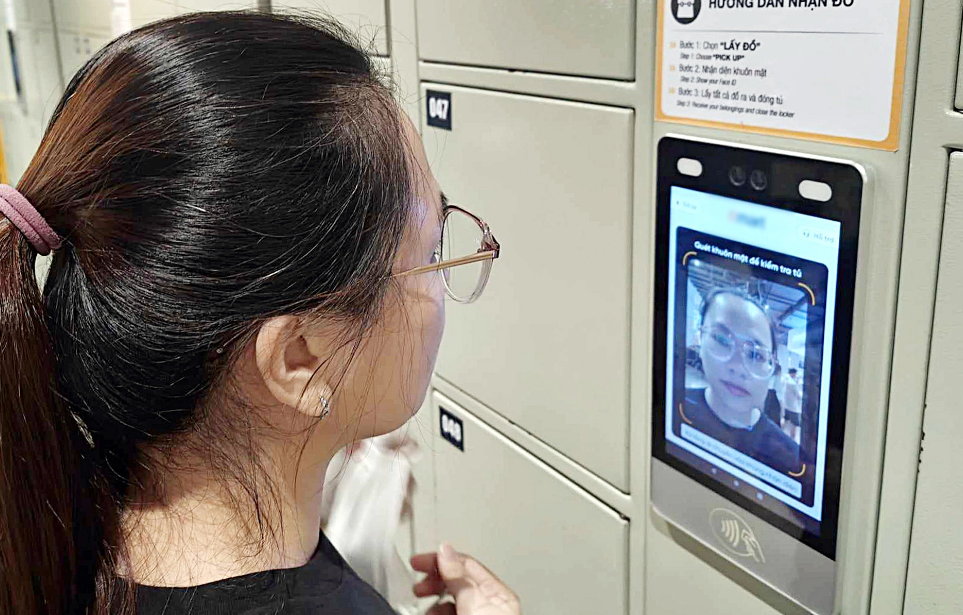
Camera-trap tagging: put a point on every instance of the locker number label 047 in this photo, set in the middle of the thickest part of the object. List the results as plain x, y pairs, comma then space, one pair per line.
452, 429
439, 109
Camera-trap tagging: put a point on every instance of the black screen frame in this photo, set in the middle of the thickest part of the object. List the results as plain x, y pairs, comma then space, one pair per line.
784, 172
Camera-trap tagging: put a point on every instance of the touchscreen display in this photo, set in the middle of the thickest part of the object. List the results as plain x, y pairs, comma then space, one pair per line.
749, 327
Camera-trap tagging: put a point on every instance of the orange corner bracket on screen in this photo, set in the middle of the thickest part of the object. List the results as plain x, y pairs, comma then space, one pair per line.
812, 295
684, 417
801, 472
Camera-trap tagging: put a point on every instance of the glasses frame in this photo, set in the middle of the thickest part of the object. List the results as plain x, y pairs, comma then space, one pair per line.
489, 251
742, 347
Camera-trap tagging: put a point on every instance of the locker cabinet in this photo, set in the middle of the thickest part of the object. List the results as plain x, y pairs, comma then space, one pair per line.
76, 48
142, 12
547, 345
367, 18
679, 582
190, 6
959, 80
560, 549
936, 549
32, 12
41, 77
83, 15
576, 37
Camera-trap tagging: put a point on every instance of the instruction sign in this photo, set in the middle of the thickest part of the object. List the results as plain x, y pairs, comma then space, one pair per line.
829, 70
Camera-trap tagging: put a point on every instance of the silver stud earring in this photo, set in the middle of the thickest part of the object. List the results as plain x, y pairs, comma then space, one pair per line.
325, 408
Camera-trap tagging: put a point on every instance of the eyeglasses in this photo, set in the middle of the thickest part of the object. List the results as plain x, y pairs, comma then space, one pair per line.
722, 345
464, 255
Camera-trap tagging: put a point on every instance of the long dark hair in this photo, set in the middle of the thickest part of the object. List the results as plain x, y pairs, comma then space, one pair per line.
207, 173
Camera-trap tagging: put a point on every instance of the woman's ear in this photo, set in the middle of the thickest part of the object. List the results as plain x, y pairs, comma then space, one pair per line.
288, 362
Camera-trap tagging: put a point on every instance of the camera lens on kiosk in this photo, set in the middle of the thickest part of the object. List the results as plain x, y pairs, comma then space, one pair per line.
758, 180
737, 175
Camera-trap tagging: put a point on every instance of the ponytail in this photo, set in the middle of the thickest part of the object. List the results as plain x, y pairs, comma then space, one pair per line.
39, 461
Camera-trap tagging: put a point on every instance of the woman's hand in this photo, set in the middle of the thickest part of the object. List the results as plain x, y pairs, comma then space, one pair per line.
475, 589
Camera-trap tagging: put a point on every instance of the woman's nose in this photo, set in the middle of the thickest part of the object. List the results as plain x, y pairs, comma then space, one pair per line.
736, 366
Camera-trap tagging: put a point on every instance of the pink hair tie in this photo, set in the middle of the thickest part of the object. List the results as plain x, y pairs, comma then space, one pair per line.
18, 209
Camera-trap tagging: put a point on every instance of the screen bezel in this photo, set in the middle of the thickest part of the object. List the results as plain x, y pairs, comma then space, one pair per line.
782, 193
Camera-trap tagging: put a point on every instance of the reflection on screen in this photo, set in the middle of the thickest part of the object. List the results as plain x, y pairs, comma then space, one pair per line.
750, 317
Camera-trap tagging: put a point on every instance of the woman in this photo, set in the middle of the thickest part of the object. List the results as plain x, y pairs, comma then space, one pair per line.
245, 239
737, 351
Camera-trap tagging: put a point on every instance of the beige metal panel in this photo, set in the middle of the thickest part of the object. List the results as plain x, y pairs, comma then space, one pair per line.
683, 581
574, 37
931, 77
404, 55
72, 56
559, 548
959, 79
8, 86
421, 430
67, 13
581, 89
32, 12
20, 140
142, 12
934, 582
76, 48
90, 16
547, 344
45, 80
367, 18
615, 499
643, 221
190, 6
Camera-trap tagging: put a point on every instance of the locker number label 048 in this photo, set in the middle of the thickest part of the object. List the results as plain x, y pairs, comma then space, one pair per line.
439, 109
452, 429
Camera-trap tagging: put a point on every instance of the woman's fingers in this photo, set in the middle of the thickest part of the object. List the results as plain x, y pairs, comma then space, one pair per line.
472, 585
451, 567
445, 608
425, 562
432, 585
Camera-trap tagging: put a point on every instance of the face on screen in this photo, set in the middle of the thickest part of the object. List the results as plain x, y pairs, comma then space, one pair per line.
736, 353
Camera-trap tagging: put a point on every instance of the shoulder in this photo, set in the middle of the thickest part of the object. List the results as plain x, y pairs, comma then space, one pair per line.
775, 440
696, 398
326, 585
352, 597
766, 426
696, 407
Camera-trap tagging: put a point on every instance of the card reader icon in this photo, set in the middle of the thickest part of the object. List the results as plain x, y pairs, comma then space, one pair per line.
735, 535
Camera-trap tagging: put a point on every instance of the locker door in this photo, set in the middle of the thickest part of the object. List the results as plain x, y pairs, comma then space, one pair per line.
367, 18
47, 78
576, 37
190, 6
142, 12
547, 345
560, 549
933, 582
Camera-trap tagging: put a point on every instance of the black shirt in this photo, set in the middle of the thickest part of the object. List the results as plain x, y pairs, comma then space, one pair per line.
325, 585
765, 442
